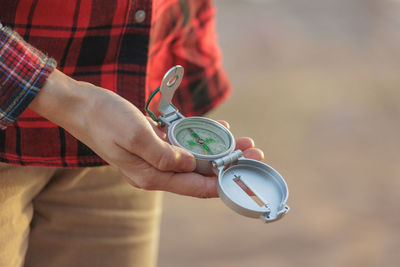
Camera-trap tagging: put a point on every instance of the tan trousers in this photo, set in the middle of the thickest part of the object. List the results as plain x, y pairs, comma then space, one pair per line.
75, 217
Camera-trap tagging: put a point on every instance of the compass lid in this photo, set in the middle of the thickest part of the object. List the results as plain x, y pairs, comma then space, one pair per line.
253, 189
171, 81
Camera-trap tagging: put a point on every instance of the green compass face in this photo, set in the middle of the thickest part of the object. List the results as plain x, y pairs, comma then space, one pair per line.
203, 137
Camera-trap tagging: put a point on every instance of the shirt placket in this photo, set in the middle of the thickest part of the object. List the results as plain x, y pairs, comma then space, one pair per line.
133, 53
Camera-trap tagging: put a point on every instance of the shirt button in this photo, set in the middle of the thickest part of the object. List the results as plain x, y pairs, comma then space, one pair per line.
140, 16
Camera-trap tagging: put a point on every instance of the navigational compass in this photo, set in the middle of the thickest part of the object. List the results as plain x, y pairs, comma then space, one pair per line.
249, 187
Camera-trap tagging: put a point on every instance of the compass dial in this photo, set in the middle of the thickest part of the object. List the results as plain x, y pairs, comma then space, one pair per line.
203, 136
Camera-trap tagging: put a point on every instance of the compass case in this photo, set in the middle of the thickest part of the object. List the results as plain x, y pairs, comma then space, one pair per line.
203, 162
253, 189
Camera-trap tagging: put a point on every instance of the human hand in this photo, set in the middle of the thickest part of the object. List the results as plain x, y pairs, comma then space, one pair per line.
119, 133
193, 183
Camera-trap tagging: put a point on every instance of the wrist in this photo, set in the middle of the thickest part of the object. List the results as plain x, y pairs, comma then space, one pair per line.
61, 100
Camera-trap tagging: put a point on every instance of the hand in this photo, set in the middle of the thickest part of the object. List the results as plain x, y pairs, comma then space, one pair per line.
194, 184
119, 133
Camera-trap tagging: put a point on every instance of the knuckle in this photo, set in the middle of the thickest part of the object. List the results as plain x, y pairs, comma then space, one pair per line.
164, 162
204, 194
136, 137
141, 174
145, 184
207, 190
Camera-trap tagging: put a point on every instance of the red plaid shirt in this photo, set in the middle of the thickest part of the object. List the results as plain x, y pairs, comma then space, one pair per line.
125, 46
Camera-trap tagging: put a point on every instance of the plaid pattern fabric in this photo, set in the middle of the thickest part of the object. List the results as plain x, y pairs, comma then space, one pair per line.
23, 71
125, 46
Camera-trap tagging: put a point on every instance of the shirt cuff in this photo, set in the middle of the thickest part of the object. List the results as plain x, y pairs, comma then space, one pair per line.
23, 72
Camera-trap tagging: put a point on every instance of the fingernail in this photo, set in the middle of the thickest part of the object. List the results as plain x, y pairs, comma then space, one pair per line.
189, 162
262, 154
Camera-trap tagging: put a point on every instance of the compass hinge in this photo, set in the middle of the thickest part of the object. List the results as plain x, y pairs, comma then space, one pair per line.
171, 117
229, 159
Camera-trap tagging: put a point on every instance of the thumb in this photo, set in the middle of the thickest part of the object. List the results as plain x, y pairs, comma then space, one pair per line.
162, 155
166, 157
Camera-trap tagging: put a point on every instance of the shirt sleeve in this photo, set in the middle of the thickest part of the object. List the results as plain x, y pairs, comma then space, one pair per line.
23, 72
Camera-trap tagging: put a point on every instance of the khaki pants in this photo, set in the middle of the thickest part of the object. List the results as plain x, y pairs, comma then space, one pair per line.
75, 217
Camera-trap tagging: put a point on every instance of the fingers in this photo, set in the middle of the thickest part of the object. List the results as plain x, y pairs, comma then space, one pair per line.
191, 184
224, 123
253, 153
158, 171
166, 157
186, 184
146, 142
142, 175
156, 127
246, 144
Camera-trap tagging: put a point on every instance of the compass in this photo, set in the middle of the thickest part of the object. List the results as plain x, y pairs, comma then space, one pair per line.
203, 137
249, 187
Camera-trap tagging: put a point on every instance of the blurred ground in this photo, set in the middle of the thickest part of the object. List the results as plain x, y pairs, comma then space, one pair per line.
317, 85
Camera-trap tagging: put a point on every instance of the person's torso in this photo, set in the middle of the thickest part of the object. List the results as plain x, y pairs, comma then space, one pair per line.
124, 46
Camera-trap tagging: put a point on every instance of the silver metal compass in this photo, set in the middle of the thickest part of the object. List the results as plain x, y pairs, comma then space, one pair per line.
249, 187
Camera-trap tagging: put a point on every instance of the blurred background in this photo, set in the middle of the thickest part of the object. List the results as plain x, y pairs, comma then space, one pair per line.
317, 85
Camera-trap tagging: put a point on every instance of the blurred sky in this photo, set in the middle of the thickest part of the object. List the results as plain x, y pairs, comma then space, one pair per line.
317, 85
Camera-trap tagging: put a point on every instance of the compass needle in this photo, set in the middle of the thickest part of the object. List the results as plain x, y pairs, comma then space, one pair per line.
217, 145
